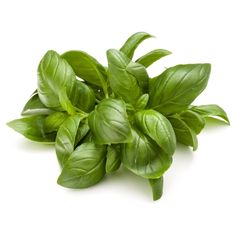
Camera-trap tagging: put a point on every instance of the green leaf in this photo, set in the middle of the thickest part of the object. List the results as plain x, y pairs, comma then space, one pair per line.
142, 102
157, 127
66, 138
113, 159
32, 127
121, 81
193, 120
35, 107
82, 131
211, 110
55, 81
86, 67
153, 56
184, 134
54, 121
109, 122
157, 187
85, 167
177, 87
144, 157
132, 43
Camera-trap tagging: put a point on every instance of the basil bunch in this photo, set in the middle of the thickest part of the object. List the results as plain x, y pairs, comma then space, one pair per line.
115, 115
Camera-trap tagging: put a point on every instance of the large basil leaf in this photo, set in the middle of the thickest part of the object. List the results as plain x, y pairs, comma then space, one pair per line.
113, 158
32, 127
177, 87
109, 122
123, 83
66, 138
157, 127
157, 187
86, 67
35, 107
85, 166
144, 157
149, 58
55, 81
195, 121
54, 121
211, 110
184, 134
132, 43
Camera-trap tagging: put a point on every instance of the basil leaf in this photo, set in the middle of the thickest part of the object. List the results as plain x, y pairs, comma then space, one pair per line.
144, 157
142, 102
86, 67
32, 127
211, 110
35, 107
153, 56
121, 81
184, 134
109, 122
157, 127
85, 167
55, 81
82, 96
193, 120
54, 121
177, 87
113, 159
157, 187
82, 131
66, 138
132, 43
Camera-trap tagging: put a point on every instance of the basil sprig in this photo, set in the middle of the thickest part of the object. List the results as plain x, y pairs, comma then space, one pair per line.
100, 118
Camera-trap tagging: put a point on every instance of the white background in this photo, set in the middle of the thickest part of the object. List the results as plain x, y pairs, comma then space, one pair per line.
199, 192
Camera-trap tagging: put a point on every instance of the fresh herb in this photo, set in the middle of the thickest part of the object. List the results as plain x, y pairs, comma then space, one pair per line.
103, 117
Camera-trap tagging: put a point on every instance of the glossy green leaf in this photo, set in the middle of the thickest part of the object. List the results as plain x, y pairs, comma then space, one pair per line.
32, 127
177, 87
113, 158
132, 43
142, 102
157, 187
121, 81
82, 131
66, 138
157, 127
193, 120
85, 167
144, 157
109, 122
54, 121
153, 56
211, 110
86, 67
184, 134
55, 81
35, 107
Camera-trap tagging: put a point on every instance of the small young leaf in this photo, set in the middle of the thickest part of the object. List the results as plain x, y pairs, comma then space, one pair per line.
157, 127
193, 120
54, 121
35, 107
109, 122
177, 87
211, 110
132, 43
32, 127
153, 56
143, 157
85, 167
184, 134
157, 187
142, 102
113, 159
82, 131
86, 67
66, 138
